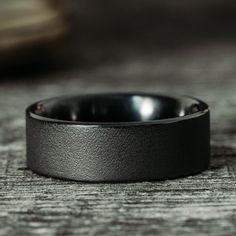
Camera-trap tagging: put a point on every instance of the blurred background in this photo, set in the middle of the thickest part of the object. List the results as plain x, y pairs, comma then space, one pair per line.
47, 35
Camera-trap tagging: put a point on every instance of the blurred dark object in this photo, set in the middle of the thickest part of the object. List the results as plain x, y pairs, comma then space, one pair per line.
29, 29
156, 23
108, 30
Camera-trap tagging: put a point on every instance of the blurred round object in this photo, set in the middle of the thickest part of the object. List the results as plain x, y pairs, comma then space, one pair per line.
28, 25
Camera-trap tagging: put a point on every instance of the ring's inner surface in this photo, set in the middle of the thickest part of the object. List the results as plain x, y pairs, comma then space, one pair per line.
116, 108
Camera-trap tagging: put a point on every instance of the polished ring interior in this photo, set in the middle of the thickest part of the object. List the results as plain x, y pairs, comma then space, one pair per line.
118, 137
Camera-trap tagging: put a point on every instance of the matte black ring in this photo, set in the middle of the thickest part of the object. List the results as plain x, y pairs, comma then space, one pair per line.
118, 137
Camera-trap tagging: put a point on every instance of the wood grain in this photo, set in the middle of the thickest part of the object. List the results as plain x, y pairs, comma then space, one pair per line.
203, 204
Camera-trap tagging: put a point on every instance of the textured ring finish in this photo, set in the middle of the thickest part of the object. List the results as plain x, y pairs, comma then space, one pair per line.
118, 137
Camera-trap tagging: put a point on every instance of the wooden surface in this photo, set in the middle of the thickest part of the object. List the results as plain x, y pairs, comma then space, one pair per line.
203, 204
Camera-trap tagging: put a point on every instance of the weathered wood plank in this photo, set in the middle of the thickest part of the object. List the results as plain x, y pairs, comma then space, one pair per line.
203, 204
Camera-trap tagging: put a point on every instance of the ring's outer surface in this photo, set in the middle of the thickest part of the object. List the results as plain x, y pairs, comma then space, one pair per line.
118, 137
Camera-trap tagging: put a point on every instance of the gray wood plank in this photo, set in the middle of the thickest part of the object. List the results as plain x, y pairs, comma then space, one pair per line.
203, 204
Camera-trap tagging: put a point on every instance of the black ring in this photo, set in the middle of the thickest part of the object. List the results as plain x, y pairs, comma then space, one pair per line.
118, 137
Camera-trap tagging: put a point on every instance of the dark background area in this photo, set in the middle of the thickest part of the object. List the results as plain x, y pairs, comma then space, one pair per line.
109, 31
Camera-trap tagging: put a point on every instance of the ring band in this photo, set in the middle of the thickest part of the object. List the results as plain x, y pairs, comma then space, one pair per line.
118, 137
